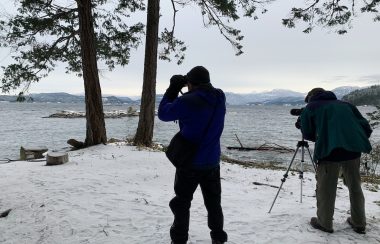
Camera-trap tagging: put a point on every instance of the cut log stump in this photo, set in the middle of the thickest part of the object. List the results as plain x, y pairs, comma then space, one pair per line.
27, 153
56, 158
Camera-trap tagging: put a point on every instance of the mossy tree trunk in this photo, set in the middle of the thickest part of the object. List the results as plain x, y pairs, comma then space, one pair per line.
95, 126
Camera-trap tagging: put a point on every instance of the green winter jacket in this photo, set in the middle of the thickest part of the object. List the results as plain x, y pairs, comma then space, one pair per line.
332, 124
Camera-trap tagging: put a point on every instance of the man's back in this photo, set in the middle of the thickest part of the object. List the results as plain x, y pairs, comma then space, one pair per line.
201, 119
334, 124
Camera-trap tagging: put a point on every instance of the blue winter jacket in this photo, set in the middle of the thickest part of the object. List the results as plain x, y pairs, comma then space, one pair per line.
193, 110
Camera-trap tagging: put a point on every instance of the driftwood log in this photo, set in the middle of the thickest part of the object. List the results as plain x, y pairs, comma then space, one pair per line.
76, 144
32, 152
264, 184
56, 158
265, 147
5, 213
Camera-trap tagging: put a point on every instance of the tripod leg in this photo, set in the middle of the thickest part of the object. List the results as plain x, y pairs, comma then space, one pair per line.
284, 179
312, 160
301, 171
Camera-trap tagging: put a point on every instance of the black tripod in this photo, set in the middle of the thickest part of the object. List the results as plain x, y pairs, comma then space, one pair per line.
301, 144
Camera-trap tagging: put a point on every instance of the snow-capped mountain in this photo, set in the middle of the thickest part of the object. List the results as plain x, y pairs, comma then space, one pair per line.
236, 99
264, 97
344, 90
279, 96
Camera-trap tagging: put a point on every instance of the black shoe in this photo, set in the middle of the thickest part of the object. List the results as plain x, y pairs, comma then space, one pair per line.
216, 242
314, 223
360, 230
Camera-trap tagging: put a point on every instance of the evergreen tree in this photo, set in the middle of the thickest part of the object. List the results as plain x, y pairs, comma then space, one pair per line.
144, 133
366, 96
77, 33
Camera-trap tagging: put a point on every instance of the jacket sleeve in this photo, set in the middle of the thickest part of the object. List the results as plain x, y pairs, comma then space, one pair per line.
362, 121
169, 109
307, 125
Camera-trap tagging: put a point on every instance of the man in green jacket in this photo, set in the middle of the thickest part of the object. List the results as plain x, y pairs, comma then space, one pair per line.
340, 134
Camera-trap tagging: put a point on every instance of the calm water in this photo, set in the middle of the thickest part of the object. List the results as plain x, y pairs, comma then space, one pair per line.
23, 124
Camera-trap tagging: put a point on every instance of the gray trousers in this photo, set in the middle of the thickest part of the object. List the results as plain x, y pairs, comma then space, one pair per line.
327, 178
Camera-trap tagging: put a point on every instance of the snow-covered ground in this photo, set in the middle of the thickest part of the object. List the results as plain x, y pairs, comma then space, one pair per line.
118, 194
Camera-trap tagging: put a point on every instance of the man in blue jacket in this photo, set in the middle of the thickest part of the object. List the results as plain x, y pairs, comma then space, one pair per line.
200, 113
340, 134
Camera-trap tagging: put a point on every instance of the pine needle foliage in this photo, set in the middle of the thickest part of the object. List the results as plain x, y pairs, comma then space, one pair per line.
44, 33
333, 14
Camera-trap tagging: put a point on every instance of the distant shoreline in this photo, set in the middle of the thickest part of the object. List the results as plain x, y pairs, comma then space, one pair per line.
273, 97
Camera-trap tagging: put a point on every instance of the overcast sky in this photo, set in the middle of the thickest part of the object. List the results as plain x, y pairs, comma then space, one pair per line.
274, 57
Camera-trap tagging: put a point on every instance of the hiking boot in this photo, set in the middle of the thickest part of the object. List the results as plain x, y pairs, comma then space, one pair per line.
216, 242
357, 229
314, 223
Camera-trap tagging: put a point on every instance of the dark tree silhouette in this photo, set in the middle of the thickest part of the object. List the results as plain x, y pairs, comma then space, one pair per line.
45, 32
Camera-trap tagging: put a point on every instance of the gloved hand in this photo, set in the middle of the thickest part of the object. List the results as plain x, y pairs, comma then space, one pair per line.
177, 82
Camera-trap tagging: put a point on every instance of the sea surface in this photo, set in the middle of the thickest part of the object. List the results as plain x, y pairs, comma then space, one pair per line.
23, 124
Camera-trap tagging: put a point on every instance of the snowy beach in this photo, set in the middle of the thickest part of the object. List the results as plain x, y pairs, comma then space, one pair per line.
119, 194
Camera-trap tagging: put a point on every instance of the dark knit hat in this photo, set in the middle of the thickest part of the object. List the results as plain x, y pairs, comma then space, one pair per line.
198, 75
313, 92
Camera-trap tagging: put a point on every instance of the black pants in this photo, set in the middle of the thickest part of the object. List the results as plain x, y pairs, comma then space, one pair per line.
185, 184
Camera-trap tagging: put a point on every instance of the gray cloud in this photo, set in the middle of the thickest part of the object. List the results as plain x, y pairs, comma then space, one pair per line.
374, 78
363, 80
338, 78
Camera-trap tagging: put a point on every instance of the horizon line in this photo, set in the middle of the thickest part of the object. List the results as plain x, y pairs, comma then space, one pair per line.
123, 95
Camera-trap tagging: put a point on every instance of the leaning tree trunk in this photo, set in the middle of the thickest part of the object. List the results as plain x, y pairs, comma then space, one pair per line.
95, 126
144, 132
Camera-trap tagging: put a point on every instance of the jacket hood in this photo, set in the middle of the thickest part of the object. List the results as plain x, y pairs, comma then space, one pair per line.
323, 96
210, 95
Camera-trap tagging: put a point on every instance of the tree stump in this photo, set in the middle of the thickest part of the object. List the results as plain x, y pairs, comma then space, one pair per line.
32, 152
56, 158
